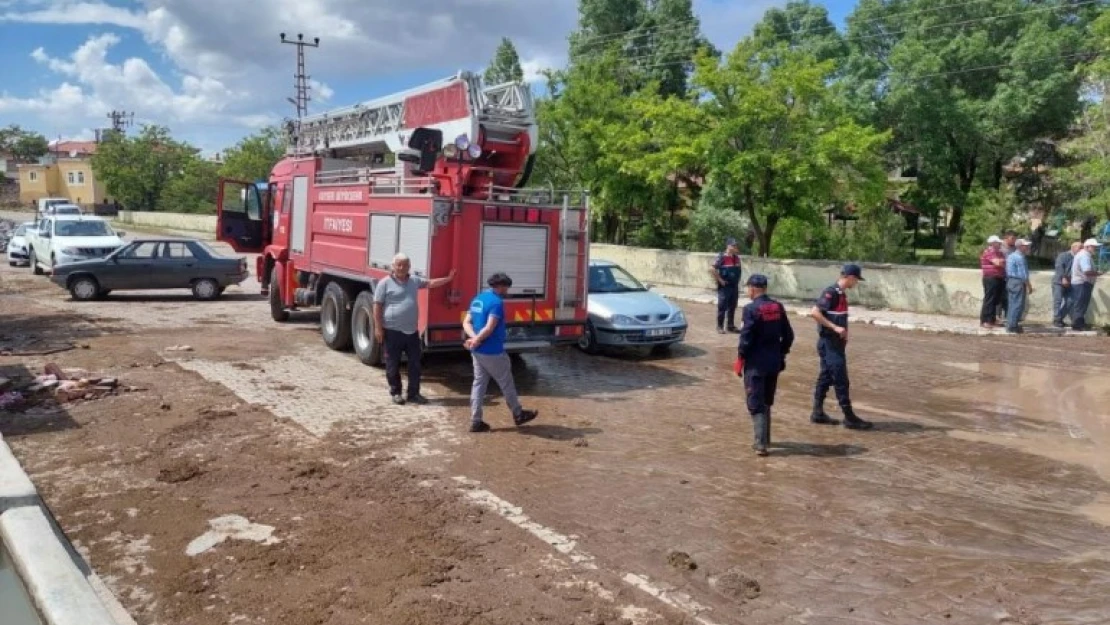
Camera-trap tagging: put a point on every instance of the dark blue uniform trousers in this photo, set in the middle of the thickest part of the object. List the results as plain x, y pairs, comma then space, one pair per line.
834, 373
728, 297
760, 390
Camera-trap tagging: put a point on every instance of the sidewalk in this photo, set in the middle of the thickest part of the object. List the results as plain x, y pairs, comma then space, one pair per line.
880, 318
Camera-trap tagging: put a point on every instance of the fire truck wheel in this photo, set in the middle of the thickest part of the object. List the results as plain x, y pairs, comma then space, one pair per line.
277, 309
367, 348
335, 317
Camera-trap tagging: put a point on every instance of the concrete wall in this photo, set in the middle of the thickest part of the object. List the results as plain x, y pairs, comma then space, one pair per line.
169, 221
898, 287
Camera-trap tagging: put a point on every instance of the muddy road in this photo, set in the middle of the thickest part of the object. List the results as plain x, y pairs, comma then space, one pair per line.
259, 478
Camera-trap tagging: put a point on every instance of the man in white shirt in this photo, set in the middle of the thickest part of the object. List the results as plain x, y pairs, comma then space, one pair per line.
1083, 276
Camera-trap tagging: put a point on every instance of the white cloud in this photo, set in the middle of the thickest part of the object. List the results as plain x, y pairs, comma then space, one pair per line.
232, 71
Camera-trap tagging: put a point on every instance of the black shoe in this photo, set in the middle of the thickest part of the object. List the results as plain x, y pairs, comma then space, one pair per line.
820, 418
853, 422
1058, 324
397, 399
417, 399
480, 427
525, 416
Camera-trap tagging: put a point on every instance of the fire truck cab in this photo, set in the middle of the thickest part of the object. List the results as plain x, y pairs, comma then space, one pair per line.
436, 173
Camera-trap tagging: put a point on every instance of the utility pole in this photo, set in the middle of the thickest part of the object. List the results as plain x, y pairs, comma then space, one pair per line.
300, 79
120, 120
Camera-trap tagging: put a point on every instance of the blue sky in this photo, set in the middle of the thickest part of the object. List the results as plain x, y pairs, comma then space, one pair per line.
214, 70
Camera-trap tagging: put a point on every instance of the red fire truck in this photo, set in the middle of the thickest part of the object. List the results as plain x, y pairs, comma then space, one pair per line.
328, 222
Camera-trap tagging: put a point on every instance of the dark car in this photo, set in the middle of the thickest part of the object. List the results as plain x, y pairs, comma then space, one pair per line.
153, 264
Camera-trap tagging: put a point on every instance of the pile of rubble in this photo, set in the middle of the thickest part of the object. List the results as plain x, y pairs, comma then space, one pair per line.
63, 385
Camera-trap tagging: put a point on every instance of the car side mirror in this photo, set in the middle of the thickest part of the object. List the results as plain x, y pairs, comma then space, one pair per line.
120, 233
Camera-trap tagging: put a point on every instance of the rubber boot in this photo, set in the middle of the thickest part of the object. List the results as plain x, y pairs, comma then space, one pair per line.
818, 415
761, 423
853, 422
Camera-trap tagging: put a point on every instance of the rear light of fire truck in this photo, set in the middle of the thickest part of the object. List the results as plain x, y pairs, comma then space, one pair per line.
512, 213
568, 331
446, 336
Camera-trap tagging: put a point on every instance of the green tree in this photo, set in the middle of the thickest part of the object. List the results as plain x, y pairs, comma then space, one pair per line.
193, 189
1085, 181
505, 66
254, 156
802, 26
965, 86
777, 135
23, 145
138, 169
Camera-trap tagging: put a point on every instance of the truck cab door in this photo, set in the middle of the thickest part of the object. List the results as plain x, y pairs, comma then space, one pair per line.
243, 216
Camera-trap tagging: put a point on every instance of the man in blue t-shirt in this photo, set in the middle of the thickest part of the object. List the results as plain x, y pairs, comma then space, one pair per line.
487, 349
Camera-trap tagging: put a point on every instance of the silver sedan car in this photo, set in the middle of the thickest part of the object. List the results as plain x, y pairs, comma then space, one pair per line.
625, 313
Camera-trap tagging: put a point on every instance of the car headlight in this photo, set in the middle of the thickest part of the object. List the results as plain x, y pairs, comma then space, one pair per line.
622, 320
70, 251
679, 317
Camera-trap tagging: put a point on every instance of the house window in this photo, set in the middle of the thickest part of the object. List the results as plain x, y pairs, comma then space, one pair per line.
71, 177
80, 177
33, 176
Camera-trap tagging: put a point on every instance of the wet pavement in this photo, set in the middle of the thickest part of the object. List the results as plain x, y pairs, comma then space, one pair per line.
980, 497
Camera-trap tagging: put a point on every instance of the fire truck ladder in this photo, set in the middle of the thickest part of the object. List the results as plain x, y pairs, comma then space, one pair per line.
383, 125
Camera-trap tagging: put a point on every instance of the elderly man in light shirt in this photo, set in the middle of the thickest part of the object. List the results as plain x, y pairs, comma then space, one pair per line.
1018, 286
1083, 276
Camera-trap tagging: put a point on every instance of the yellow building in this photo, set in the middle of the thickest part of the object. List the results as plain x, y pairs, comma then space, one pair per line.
65, 172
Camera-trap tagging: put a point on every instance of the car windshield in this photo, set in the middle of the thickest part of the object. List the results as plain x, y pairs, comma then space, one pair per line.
613, 279
67, 210
82, 229
20, 231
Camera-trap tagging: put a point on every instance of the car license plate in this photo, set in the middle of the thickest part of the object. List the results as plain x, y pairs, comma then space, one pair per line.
659, 332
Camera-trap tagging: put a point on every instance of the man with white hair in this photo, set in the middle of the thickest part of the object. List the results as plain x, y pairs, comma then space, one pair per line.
1018, 286
1083, 275
992, 262
396, 325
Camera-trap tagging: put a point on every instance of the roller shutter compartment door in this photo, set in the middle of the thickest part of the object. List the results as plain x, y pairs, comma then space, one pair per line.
383, 241
521, 252
412, 241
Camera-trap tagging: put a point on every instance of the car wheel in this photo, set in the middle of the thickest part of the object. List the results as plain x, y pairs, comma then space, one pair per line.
206, 289
335, 317
35, 269
277, 308
84, 288
367, 347
588, 342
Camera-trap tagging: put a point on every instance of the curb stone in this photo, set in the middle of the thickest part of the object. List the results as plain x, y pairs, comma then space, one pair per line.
60, 591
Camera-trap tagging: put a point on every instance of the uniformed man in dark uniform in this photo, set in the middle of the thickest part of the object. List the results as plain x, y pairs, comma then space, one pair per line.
765, 340
726, 271
831, 313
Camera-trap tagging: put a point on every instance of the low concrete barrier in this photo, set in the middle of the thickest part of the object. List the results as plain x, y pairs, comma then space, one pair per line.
168, 221
932, 290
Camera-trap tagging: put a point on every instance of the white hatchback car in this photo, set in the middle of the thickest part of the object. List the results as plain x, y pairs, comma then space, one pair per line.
18, 249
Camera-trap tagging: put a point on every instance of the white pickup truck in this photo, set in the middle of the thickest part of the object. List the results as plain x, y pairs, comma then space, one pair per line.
62, 239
